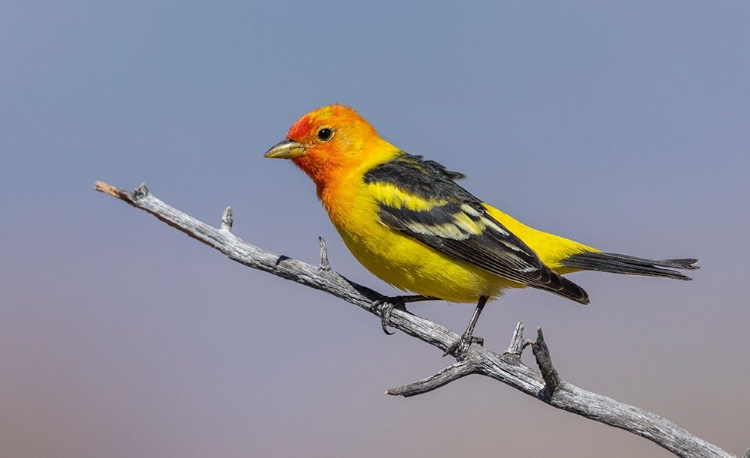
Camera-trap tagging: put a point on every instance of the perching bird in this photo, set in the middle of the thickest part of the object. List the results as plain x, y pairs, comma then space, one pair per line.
407, 221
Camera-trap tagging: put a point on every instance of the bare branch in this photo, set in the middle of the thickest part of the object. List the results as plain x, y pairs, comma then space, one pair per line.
444, 377
324, 264
227, 219
506, 368
517, 342
544, 361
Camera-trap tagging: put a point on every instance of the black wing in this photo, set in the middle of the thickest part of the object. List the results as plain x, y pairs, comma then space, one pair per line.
456, 223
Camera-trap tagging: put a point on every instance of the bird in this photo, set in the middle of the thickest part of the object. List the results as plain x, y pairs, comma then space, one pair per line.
410, 223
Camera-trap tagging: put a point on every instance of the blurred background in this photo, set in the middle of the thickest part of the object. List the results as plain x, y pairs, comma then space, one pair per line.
624, 126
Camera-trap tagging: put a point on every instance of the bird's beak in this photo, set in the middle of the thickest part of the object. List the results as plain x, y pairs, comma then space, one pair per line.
286, 150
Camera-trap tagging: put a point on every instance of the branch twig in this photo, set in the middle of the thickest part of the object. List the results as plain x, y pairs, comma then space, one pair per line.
442, 378
506, 368
544, 361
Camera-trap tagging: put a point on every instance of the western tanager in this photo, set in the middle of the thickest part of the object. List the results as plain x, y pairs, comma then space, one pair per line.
407, 221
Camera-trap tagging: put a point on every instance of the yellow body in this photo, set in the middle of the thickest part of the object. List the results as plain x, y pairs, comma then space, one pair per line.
408, 264
409, 222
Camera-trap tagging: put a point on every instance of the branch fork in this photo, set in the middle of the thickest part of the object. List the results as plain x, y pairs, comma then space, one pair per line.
471, 364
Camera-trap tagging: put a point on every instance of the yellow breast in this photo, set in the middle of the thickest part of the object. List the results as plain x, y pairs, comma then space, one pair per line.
397, 258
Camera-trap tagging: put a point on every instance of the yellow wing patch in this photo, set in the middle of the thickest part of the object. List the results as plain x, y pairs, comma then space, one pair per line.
390, 195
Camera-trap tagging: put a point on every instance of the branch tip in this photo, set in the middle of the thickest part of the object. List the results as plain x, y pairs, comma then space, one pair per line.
111, 190
140, 191
517, 343
541, 352
227, 219
325, 265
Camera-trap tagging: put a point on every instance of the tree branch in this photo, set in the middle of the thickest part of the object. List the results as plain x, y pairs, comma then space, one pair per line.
506, 368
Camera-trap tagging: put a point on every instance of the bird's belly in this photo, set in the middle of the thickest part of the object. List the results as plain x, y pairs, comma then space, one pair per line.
410, 265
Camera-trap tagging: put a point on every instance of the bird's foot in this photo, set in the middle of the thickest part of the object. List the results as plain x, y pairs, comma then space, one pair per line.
460, 347
385, 308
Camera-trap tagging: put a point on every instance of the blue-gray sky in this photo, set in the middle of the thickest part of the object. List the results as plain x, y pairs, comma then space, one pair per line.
624, 126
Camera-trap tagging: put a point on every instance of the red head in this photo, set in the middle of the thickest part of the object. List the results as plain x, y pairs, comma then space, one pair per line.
330, 141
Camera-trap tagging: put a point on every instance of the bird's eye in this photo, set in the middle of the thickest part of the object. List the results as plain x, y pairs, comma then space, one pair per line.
325, 134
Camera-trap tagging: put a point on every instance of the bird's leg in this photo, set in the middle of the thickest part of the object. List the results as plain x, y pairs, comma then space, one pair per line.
386, 306
461, 345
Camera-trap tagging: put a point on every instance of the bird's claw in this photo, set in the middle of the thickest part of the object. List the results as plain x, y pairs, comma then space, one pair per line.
385, 308
460, 347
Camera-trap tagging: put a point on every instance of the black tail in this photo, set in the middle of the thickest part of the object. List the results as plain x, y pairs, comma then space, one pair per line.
623, 264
